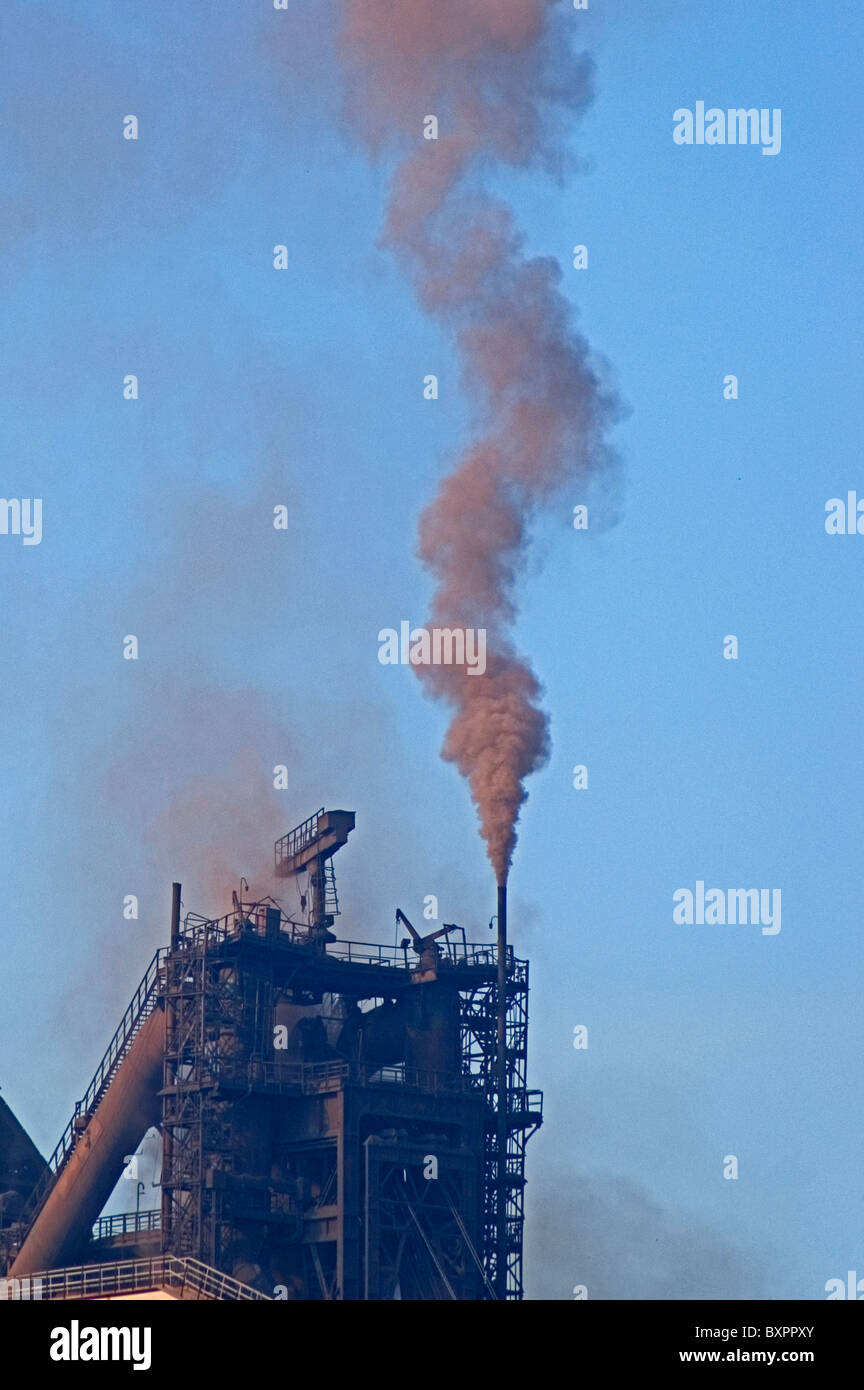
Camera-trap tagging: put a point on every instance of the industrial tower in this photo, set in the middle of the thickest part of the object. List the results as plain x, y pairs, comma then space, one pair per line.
332, 1117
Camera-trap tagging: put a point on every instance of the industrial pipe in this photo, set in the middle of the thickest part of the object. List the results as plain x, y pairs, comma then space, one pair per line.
503, 1101
175, 916
130, 1106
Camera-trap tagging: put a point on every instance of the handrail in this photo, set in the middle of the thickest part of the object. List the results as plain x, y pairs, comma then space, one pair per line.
127, 1223
129, 1276
308, 1077
247, 921
298, 838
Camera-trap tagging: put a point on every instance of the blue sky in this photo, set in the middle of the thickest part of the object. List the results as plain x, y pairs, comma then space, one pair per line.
304, 387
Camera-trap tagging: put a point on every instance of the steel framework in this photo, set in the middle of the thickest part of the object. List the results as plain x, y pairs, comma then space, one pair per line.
221, 1082
366, 1163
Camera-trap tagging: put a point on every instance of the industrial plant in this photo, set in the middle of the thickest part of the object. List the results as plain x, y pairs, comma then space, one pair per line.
337, 1119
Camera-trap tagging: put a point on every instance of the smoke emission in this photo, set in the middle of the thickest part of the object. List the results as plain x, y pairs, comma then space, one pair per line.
500, 79
616, 1239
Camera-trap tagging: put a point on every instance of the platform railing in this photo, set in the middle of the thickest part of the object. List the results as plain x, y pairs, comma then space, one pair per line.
135, 1276
127, 1223
298, 838
307, 1077
248, 921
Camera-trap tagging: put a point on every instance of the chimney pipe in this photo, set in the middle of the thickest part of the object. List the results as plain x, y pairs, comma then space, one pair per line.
503, 1100
175, 916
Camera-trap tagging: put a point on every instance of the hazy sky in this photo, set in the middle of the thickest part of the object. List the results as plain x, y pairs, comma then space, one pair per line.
303, 387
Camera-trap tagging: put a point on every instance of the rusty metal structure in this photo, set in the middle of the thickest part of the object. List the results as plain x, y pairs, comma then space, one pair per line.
339, 1119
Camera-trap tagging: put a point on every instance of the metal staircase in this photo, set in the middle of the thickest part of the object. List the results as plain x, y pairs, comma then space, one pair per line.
142, 1005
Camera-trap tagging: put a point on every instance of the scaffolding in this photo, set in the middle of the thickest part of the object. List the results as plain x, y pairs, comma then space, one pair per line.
523, 1107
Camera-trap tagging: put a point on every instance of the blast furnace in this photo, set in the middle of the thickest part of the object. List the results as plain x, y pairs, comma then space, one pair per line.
338, 1119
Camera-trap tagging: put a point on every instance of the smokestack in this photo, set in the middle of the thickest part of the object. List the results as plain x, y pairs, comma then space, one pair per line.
503, 1100
175, 916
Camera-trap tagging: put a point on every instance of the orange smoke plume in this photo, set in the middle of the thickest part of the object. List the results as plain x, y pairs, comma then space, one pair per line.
499, 77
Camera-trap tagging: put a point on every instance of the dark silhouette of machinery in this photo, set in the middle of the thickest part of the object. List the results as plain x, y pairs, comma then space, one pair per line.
336, 1121
428, 952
